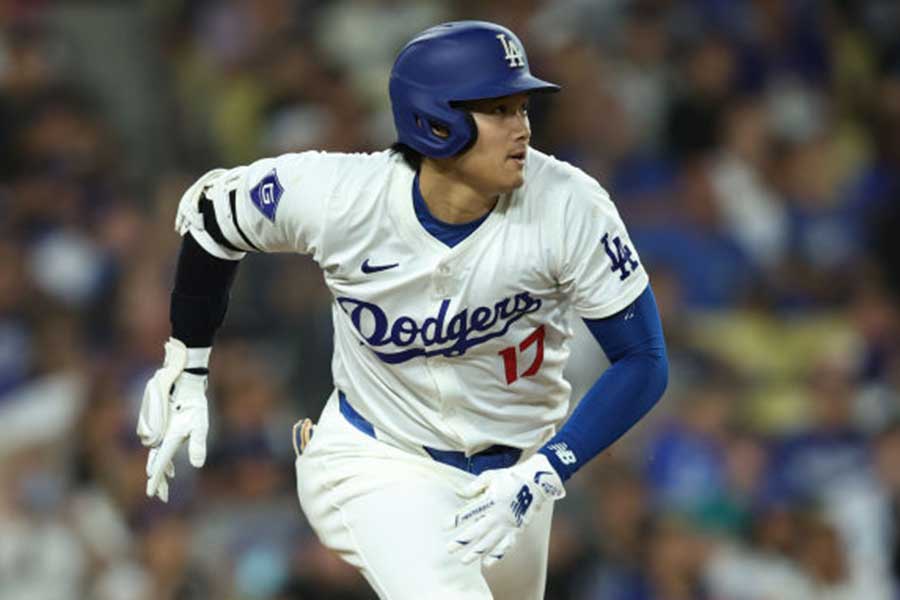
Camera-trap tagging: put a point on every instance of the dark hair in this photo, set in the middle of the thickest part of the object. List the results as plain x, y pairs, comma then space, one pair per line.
410, 156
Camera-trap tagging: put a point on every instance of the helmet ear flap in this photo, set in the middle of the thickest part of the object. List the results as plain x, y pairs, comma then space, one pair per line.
430, 126
443, 131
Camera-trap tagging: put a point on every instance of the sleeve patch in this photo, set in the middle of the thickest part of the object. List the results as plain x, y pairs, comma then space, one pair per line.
619, 256
266, 194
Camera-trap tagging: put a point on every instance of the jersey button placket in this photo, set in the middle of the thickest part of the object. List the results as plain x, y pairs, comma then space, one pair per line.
441, 280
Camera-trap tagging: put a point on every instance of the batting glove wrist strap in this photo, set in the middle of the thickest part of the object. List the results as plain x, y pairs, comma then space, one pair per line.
198, 358
500, 503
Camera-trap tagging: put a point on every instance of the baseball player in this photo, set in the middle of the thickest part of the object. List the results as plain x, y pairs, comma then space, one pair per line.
456, 259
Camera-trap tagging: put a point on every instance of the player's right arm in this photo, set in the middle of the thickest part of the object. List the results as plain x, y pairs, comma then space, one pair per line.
174, 406
272, 205
600, 272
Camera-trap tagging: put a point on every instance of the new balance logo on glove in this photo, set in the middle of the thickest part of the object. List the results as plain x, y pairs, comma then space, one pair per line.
520, 505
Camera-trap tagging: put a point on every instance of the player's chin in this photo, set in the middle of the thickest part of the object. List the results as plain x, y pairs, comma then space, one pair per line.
513, 175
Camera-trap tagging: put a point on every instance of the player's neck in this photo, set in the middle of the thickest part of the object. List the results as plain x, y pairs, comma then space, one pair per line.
451, 200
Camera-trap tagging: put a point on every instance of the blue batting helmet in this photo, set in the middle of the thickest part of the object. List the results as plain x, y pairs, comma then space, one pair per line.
455, 62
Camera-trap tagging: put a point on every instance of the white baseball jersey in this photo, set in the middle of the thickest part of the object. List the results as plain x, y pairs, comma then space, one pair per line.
452, 348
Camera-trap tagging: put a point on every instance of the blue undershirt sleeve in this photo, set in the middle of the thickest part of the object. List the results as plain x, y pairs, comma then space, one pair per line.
639, 371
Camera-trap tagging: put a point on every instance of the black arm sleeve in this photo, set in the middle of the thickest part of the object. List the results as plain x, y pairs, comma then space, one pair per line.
200, 297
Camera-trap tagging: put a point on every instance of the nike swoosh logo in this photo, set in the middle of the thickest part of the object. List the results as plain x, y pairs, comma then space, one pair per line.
367, 268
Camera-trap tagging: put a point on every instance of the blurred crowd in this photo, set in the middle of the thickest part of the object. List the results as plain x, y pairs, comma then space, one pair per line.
752, 147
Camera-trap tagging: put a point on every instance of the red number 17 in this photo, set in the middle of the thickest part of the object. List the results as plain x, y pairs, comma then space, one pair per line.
510, 361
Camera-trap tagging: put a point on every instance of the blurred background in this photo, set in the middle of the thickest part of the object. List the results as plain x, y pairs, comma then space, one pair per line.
752, 147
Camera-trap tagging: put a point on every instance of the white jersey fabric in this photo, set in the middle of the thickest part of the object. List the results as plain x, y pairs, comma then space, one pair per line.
452, 348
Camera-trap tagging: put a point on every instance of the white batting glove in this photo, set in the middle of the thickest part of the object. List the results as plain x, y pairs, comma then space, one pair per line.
174, 409
502, 503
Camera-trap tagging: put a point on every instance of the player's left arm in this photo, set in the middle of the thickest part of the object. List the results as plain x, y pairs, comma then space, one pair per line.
602, 274
503, 501
635, 381
611, 291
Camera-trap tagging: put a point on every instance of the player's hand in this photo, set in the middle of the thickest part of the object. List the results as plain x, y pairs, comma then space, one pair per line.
501, 503
173, 410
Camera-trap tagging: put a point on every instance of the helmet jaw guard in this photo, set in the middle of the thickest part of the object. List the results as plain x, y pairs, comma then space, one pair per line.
454, 62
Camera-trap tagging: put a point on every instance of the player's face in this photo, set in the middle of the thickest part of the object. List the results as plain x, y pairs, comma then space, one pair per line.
496, 162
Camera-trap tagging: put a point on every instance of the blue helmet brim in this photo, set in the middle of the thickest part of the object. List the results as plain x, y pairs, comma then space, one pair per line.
526, 83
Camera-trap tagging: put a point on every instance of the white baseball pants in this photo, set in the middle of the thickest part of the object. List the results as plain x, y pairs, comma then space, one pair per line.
386, 511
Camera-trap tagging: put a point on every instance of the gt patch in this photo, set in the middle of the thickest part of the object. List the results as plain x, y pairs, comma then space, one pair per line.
266, 194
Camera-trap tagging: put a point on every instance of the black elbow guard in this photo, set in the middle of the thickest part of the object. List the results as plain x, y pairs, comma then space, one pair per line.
200, 298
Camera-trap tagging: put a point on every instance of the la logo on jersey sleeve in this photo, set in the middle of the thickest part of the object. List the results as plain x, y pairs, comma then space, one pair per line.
266, 194
619, 255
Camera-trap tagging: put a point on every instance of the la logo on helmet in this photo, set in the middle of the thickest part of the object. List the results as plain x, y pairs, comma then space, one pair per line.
513, 54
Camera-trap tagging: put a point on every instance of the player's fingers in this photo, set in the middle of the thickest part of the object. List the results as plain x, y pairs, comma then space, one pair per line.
197, 444
162, 491
502, 547
151, 460
482, 547
163, 457
471, 534
457, 544
152, 485
152, 457
488, 551
491, 558
461, 539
